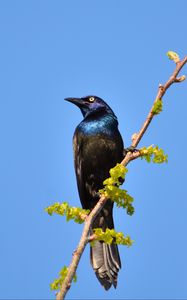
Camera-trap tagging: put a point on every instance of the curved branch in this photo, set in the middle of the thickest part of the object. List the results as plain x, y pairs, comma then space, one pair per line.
161, 91
100, 204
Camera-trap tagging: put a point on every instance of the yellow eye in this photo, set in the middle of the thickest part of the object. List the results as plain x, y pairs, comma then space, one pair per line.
91, 99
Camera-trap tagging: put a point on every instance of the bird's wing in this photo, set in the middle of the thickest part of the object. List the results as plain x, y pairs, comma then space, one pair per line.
94, 157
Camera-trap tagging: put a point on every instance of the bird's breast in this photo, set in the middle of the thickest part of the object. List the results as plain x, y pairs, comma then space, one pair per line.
98, 144
106, 126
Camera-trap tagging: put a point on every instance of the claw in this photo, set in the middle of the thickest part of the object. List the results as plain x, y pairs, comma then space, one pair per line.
129, 149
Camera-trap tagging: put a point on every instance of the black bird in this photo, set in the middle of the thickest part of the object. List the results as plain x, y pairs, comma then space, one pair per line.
98, 146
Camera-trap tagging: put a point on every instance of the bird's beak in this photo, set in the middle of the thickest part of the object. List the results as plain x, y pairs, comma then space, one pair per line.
76, 101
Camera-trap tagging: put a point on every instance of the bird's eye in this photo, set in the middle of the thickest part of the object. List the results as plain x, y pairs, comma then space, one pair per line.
91, 99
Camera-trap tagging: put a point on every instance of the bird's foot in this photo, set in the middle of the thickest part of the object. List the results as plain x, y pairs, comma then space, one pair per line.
131, 149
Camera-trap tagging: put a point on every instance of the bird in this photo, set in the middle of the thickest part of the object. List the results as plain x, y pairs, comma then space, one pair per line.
98, 146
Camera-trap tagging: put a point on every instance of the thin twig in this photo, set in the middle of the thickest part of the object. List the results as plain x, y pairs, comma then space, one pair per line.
161, 91
100, 204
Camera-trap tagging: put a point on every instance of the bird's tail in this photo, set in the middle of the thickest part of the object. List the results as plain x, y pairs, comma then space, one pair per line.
106, 263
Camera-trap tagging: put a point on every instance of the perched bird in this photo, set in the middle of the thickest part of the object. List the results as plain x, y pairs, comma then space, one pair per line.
98, 146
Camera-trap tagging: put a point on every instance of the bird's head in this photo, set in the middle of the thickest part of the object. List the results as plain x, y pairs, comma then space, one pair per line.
90, 105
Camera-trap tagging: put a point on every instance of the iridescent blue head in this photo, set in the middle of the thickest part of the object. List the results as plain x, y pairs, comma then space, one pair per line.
91, 105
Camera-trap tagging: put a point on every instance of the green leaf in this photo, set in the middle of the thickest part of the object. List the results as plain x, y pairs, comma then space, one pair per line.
56, 284
153, 154
119, 171
158, 106
119, 196
72, 213
112, 191
110, 235
173, 56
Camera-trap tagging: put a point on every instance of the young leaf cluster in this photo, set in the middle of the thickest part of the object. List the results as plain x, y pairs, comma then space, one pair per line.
110, 235
72, 213
157, 107
173, 56
112, 191
153, 154
56, 284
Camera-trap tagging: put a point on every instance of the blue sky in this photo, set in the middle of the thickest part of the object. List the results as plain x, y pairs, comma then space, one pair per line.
117, 50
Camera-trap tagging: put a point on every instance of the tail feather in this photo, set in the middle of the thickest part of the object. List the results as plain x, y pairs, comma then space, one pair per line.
106, 263
113, 251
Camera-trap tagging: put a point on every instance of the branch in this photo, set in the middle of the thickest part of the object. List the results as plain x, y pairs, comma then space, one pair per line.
79, 251
161, 91
129, 156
